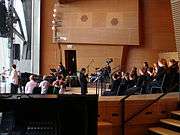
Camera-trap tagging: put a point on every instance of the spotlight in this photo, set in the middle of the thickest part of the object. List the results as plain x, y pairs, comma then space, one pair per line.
53, 22
55, 10
54, 15
53, 28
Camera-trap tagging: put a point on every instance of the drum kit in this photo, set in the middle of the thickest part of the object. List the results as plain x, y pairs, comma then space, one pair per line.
102, 74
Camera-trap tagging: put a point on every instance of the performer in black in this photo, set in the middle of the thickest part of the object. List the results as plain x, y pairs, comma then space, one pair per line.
83, 81
62, 70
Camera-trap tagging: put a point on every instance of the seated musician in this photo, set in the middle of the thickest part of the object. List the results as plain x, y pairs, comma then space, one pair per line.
162, 68
115, 84
44, 85
59, 85
4, 74
140, 83
145, 66
132, 77
30, 85
124, 83
107, 73
172, 75
62, 70
155, 69
151, 74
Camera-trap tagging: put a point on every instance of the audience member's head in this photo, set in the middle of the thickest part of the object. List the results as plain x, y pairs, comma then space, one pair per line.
32, 78
13, 66
44, 77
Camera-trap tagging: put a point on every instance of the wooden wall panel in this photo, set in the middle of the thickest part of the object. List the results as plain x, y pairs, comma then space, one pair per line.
176, 17
109, 109
52, 54
156, 28
49, 51
170, 55
157, 33
97, 54
105, 22
136, 57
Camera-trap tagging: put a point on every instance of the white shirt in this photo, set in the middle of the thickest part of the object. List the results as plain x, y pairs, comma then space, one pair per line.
30, 86
44, 86
14, 77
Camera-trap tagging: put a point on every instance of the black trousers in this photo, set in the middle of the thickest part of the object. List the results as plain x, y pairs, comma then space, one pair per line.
152, 84
56, 90
14, 88
84, 89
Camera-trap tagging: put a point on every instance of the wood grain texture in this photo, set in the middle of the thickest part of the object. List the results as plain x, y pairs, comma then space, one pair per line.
163, 131
156, 36
157, 33
90, 22
109, 109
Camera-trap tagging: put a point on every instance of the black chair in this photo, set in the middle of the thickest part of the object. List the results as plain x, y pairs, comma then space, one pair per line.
121, 89
56, 90
142, 89
37, 90
161, 86
50, 90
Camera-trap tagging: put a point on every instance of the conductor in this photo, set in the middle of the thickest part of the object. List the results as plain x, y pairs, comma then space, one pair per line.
83, 81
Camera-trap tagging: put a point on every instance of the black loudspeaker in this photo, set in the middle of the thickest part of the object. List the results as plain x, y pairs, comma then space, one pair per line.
3, 14
16, 51
48, 114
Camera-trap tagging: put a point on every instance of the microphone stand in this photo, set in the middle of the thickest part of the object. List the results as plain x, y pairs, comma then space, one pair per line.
87, 67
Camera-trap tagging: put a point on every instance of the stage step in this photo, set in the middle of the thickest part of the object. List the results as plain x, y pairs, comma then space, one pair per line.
171, 122
176, 112
104, 123
175, 115
170, 126
163, 131
104, 128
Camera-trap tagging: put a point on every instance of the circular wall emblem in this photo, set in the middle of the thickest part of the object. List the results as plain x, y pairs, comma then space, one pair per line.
84, 18
114, 21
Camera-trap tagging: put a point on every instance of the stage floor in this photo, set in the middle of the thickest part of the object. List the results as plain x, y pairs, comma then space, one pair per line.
5, 88
77, 90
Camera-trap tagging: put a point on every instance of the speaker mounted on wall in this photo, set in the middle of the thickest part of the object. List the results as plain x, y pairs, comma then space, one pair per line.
16, 51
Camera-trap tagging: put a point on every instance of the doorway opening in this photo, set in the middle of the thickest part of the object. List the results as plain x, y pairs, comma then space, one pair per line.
70, 61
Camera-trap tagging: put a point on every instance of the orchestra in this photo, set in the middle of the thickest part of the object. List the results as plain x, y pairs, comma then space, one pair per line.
121, 82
